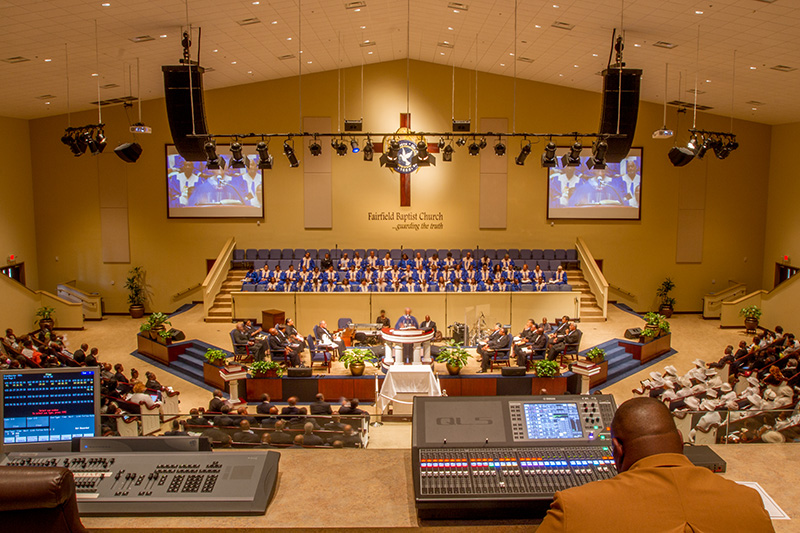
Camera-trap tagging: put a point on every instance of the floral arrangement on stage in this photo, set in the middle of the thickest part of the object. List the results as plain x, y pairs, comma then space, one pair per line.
545, 368
596, 355
260, 368
216, 357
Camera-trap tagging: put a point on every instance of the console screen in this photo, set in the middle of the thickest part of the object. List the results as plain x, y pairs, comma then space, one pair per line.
552, 421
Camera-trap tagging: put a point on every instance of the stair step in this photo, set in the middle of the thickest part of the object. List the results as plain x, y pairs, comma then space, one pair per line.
190, 362
189, 370
196, 353
219, 319
219, 313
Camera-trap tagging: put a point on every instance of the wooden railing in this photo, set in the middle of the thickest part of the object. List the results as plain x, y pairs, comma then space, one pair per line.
217, 275
594, 277
779, 307
92, 303
20, 304
712, 302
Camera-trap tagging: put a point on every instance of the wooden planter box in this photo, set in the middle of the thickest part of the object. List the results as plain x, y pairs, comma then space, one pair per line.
211, 377
599, 379
163, 353
645, 351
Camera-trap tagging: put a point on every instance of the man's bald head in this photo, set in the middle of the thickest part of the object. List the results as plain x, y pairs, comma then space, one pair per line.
643, 427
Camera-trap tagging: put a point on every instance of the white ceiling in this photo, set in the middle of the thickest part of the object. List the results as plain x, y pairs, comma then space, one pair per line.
762, 34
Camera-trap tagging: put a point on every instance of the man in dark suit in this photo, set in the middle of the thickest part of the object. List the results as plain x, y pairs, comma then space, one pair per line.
225, 419
195, 419
122, 380
241, 339
217, 401
176, 430
563, 327
539, 343
428, 324
572, 336
265, 406
320, 406
271, 419
352, 408
335, 424
291, 410
79, 355
497, 341
522, 344
294, 335
294, 348
648, 453
350, 439
217, 436
279, 345
279, 436
309, 439
245, 434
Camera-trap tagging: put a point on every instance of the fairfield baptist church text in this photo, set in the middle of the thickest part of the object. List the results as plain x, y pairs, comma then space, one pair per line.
409, 221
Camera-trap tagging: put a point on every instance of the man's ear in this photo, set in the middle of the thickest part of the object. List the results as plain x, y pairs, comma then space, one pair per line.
618, 452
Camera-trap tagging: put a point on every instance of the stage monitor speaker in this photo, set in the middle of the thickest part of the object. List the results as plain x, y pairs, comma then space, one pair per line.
513, 371
680, 156
633, 333
179, 109
622, 106
128, 152
300, 372
176, 334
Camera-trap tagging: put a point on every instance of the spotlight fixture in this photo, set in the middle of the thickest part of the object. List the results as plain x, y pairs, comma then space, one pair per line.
100, 140
80, 142
237, 158
598, 159
315, 148
441, 143
707, 143
264, 157
368, 150
354, 145
213, 161
88, 140
288, 151
573, 157
524, 152
69, 140
549, 155
91, 137
447, 153
680, 156
339, 146
720, 149
474, 148
461, 142
500, 148
422, 150
482, 144
389, 159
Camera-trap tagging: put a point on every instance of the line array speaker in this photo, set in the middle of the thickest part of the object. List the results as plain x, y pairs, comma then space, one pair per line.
128, 152
179, 109
625, 108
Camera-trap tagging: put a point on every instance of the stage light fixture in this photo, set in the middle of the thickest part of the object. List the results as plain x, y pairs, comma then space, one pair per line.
389, 159
524, 152
212, 159
447, 153
339, 147
482, 144
549, 155
369, 150
237, 158
441, 143
87, 138
80, 143
703, 148
264, 157
500, 148
315, 148
598, 159
474, 148
422, 150
693, 145
461, 142
573, 157
719, 149
354, 145
288, 151
100, 140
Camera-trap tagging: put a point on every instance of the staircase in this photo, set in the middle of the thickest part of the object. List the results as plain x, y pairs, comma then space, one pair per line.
620, 362
222, 310
190, 363
590, 310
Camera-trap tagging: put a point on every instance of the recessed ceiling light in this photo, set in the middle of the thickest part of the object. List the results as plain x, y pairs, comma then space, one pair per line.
754, 108
274, 22
698, 12
511, 54
441, 53
752, 68
537, 26
502, 64
164, 36
47, 60
450, 28
363, 27
637, 45
594, 55
357, 9
708, 81
369, 53
47, 103
256, 3
94, 74
215, 50
366, 41
233, 62
561, 75
288, 38
556, 6
309, 62
576, 66
455, 11
249, 71
105, 4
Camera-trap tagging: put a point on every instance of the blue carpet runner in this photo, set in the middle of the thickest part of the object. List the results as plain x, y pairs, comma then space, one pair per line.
621, 364
627, 309
181, 309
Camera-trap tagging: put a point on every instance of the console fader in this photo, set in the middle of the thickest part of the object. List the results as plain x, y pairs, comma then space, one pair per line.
178, 483
473, 457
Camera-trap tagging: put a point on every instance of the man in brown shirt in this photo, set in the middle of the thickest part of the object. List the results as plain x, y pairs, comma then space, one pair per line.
657, 488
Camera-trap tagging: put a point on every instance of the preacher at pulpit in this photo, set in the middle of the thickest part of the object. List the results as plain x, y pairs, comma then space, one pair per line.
407, 321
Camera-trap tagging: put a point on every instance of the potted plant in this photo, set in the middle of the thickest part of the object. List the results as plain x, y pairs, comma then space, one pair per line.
154, 324
216, 357
655, 325
454, 356
45, 317
356, 358
545, 368
136, 292
751, 314
270, 369
164, 337
596, 355
667, 306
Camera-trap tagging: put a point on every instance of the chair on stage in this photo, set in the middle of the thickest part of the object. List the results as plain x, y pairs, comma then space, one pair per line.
319, 354
279, 355
572, 348
534, 355
344, 322
241, 352
501, 356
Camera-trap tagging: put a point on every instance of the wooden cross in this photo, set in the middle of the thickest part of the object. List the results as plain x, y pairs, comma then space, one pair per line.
405, 177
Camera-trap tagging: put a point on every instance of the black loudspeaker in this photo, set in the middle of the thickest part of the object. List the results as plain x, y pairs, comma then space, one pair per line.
179, 109
633, 333
177, 335
128, 152
513, 371
300, 372
680, 156
623, 106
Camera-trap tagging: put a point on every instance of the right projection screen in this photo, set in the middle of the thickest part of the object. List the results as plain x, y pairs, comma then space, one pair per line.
613, 193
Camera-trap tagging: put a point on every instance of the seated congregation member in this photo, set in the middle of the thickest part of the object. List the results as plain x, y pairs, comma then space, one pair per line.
404, 262
327, 339
455, 286
309, 439
326, 262
383, 320
319, 406
351, 408
241, 340
468, 262
307, 263
349, 438
217, 401
176, 430
335, 423
245, 434
279, 436
372, 260
428, 324
562, 327
345, 263
497, 340
559, 277
524, 275
440, 286
561, 340
507, 263
726, 359
291, 410
364, 286
278, 343
271, 419
79, 355
225, 419
265, 406
219, 438
197, 419
657, 488
140, 396
358, 261
522, 341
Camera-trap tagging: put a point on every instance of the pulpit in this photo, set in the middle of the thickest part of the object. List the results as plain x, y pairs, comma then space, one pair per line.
395, 339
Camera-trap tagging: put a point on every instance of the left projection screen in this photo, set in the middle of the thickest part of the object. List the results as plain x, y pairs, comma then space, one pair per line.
195, 191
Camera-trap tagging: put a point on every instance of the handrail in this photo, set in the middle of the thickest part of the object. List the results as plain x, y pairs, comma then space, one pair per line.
187, 291
217, 275
92, 303
712, 302
594, 277
623, 291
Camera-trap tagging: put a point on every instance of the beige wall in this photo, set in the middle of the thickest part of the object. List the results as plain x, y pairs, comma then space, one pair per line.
782, 236
17, 227
637, 255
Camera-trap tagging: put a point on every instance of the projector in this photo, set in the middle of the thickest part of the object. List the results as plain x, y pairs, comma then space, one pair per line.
141, 128
662, 134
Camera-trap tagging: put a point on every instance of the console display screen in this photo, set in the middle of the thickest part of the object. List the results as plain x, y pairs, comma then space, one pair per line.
552, 421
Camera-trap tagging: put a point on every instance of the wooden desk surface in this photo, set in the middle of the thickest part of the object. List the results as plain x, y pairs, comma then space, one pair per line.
339, 490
